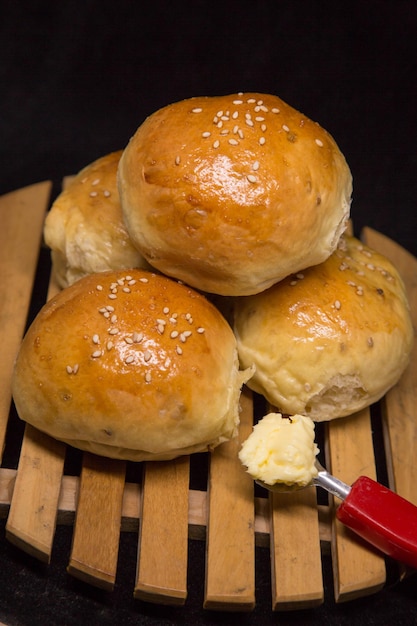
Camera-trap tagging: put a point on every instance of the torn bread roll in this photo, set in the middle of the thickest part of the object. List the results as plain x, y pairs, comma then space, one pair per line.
331, 340
84, 227
232, 193
130, 366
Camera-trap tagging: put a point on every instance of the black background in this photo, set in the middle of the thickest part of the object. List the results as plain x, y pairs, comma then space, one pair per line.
77, 79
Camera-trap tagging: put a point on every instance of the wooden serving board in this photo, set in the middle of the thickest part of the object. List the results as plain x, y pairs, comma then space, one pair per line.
100, 502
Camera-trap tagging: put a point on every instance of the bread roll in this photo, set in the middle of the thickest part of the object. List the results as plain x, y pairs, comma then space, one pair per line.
131, 366
85, 228
330, 340
232, 193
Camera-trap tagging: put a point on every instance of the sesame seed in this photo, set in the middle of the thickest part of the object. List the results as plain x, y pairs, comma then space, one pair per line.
109, 345
240, 133
178, 349
259, 118
219, 113
147, 356
143, 280
102, 309
165, 310
106, 314
262, 141
307, 387
255, 166
167, 362
93, 194
293, 283
319, 143
120, 282
300, 276
69, 369
206, 134
129, 359
251, 178
174, 334
99, 287
161, 328
275, 110
173, 320
337, 305
96, 339
235, 129
233, 142
96, 354
237, 101
148, 377
201, 330
163, 322
285, 127
235, 115
177, 160
249, 122
113, 331
216, 144
112, 296
75, 368
129, 340
126, 290
110, 308
106, 193
251, 101
131, 282
197, 110
113, 319
137, 337
370, 342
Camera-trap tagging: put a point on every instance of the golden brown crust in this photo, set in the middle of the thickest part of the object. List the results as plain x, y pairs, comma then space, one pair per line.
85, 228
232, 193
331, 340
136, 367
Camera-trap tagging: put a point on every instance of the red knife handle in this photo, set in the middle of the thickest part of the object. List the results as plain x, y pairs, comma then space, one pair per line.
383, 518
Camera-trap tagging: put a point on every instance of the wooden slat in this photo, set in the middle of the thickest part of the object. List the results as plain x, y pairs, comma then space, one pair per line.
230, 558
97, 524
34, 507
295, 551
400, 416
163, 539
33, 511
22, 213
357, 568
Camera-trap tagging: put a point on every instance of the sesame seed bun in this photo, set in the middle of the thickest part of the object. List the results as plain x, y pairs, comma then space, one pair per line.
132, 366
331, 340
85, 228
232, 193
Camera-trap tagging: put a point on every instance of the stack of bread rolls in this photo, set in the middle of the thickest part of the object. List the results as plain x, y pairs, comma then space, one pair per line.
239, 197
